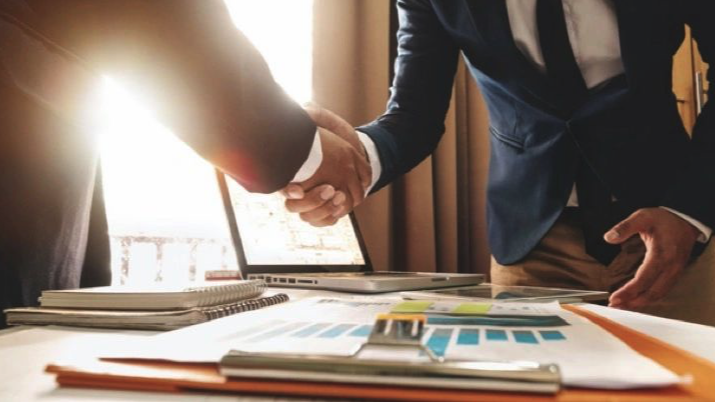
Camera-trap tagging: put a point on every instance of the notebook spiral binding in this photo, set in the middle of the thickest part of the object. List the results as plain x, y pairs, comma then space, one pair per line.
224, 294
215, 312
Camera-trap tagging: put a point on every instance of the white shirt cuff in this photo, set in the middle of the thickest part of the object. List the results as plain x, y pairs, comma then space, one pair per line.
374, 157
311, 165
705, 232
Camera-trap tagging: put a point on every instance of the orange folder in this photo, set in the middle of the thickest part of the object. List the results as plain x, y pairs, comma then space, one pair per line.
142, 375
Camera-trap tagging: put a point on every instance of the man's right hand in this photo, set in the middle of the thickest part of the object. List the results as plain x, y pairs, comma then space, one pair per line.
340, 182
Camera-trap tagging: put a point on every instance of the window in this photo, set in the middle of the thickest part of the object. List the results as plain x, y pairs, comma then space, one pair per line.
166, 220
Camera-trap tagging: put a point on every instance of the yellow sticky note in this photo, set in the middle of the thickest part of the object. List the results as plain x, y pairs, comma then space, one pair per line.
412, 306
472, 308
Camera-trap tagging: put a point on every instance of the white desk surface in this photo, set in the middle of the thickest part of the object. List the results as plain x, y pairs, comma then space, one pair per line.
25, 351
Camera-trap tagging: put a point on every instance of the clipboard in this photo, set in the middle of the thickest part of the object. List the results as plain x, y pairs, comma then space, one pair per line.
396, 334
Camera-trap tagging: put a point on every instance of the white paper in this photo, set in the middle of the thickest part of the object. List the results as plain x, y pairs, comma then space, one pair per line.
587, 355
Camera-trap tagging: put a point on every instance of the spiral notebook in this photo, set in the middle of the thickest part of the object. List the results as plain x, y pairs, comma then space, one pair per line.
135, 319
154, 297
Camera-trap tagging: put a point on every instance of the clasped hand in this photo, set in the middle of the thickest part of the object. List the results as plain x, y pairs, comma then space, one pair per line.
342, 179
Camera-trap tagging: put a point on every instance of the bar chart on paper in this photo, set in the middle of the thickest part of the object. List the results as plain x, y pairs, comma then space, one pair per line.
443, 332
542, 333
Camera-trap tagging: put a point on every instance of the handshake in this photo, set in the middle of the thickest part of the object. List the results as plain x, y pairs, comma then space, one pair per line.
342, 179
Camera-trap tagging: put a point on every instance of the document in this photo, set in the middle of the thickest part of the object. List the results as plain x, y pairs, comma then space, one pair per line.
587, 355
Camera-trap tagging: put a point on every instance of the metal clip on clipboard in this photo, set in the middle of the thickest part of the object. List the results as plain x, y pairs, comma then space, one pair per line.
401, 335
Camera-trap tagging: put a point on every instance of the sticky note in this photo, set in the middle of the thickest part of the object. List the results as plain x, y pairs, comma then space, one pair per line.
412, 306
472, 308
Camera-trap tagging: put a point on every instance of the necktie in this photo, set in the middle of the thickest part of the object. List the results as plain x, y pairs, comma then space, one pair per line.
562, 70
597, 211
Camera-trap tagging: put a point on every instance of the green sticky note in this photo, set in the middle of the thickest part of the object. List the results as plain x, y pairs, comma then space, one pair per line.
412, 306
472, 308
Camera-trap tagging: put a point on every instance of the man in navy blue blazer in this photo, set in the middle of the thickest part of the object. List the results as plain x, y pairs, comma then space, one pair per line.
587, 145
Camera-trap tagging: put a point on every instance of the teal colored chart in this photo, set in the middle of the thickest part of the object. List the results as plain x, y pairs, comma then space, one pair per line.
452, 332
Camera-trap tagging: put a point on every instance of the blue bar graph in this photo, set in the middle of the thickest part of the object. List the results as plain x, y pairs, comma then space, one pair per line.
525, 337
363, 330
439, 340
552, 335
468, 336
336, 331
308, 331
496, 335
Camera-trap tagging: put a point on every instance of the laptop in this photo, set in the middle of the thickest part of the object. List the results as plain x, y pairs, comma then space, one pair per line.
277, 246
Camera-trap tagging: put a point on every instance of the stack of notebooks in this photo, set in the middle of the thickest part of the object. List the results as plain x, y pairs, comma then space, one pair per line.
144, 308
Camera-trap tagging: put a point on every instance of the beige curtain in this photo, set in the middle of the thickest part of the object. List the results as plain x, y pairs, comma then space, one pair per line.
433, 218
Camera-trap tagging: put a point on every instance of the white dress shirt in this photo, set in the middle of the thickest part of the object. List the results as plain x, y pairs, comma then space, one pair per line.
598, 57
315, 157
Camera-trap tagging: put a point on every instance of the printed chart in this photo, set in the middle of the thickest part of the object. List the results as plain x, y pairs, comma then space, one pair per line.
462, 327
537, 332
437, 337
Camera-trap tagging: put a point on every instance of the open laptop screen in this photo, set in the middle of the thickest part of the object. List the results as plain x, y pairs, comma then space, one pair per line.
266, 234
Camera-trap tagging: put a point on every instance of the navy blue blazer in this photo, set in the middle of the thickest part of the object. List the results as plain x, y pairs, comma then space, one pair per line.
629, 133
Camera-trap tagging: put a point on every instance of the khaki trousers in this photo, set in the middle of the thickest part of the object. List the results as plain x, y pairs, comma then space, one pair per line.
560, 260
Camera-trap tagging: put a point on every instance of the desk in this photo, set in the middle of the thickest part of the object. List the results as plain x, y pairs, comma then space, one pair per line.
25, 351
